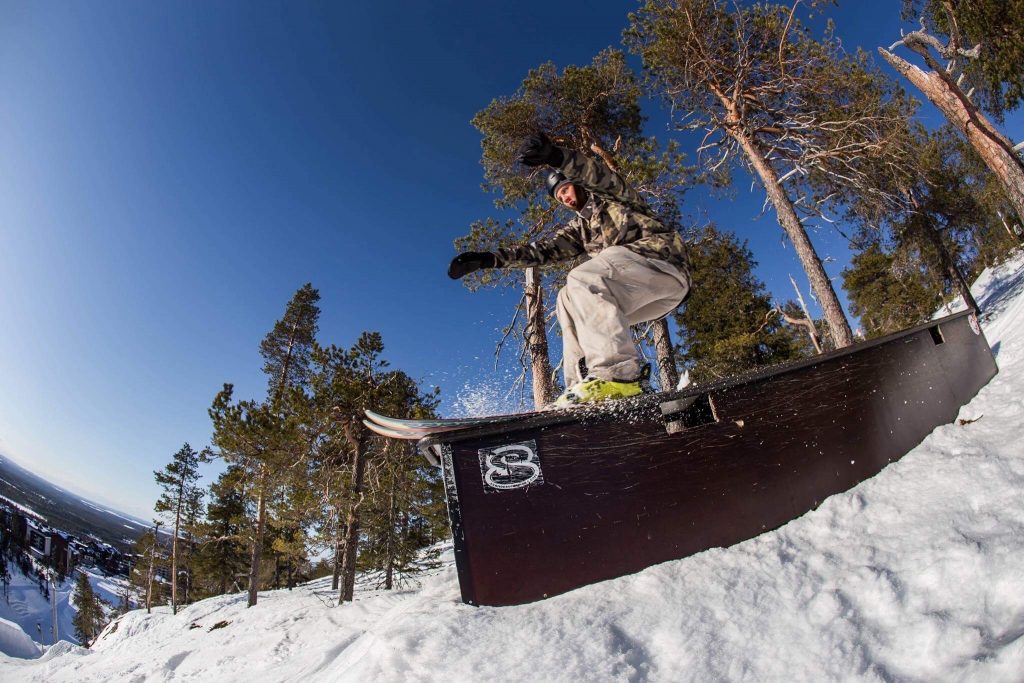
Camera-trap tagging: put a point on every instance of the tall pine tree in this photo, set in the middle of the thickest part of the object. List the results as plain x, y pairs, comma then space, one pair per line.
264, 438
180, 500
90, 615
222, 555
807, 120
889, 291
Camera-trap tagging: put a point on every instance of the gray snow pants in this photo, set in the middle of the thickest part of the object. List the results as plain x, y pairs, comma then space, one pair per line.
601, 299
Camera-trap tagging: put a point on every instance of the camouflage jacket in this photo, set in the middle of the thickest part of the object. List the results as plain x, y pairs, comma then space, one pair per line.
613, 215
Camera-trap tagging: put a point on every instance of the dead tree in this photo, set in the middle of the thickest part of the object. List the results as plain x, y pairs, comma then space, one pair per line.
943, 86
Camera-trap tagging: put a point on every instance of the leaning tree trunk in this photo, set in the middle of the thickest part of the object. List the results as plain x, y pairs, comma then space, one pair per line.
952, 272
665, 355
993, 147
537, 341
351, 543
842, 335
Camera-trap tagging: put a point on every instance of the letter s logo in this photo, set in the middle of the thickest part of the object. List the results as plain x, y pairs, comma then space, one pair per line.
510, 467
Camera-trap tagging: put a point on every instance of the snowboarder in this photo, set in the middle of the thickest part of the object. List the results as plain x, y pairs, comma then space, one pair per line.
638, 271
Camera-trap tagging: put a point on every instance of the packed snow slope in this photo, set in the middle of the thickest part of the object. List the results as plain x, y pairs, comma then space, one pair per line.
25, 607
15, 642
915, 575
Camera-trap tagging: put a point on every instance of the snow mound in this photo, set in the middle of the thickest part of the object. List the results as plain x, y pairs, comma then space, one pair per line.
63, 648
914, 575
14, 642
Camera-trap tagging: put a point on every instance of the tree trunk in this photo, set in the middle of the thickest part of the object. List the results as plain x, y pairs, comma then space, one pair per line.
790, 222
225, 532
993, 147
152, 564
954, 274
665, 354
257, 540
348, 566
537, 340
174, 548
389, 544
339, 536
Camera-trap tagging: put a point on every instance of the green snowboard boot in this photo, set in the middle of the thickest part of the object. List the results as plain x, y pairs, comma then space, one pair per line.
594, 390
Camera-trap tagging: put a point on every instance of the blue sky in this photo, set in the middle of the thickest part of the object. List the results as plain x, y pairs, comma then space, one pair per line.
170, 173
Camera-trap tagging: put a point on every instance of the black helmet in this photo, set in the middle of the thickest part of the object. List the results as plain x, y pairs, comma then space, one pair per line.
554, 180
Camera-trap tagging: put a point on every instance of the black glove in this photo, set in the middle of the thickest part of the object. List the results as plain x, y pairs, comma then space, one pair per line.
538, 150
470, 262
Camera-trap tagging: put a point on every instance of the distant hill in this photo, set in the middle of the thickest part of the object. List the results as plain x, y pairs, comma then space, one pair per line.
65, 510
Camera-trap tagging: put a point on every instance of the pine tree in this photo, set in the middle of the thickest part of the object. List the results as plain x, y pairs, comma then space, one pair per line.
221, 556
264, 438
294, 512
90, 614
287, 348
406, 515
191, 526
889, 293
149, 561
365, 368
5, 576
810, 122
180, 499
948, 219
349, 460
981, 211
996, 27
727, 326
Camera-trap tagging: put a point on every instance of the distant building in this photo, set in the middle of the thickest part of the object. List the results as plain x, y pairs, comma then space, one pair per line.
52, 547
56, 548
15, 522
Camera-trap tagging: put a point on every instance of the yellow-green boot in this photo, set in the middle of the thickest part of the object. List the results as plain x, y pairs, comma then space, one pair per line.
594, 390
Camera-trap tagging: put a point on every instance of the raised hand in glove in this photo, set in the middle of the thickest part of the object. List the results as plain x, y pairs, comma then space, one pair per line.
538, 149
470, 262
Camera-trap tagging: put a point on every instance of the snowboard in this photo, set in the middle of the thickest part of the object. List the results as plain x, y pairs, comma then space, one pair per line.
413, 430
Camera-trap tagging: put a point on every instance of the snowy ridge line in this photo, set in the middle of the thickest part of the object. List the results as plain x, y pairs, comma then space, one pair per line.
112, 513
19, 506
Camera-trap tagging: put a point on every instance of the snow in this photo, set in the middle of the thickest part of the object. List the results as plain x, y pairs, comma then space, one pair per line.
914, 575
14, 642
27, 609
